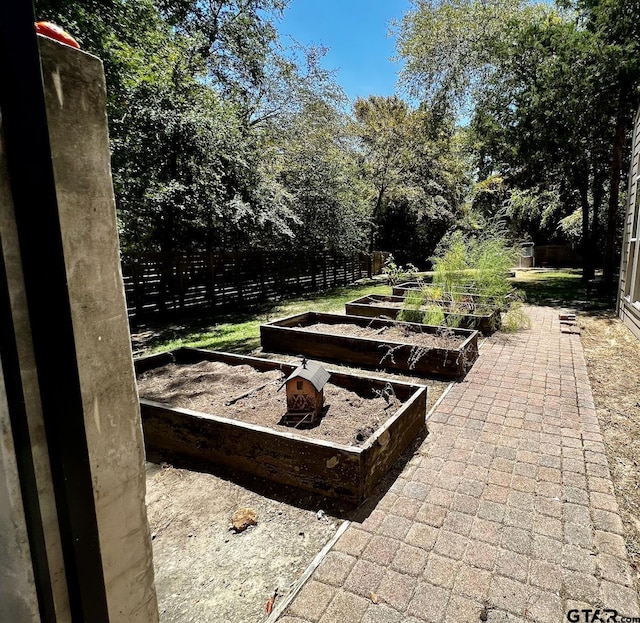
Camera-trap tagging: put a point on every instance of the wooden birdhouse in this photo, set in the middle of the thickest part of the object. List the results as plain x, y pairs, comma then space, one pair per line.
305, 393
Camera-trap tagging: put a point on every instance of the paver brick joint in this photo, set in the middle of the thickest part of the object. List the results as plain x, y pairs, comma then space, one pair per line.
506, 512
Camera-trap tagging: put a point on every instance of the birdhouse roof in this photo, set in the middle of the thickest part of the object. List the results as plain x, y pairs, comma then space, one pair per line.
311, 371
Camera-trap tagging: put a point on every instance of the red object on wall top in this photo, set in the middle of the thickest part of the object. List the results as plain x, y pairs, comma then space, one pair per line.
55, 32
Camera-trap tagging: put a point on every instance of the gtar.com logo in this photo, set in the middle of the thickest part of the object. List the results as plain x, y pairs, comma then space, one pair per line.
599, 615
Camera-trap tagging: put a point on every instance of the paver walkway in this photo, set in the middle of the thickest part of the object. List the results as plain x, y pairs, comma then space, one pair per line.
507, 512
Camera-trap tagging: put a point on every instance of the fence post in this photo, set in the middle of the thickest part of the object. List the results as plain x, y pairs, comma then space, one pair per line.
209, 279
324, 270
260, 274
180, 275
137, 294
238, 277
162, 286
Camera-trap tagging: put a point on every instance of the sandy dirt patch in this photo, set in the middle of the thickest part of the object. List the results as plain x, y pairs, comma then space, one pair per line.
206, 573
613, 362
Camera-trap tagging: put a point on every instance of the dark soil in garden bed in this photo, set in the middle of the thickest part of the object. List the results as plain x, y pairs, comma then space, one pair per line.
442, 339
463, 306
377, 302
245, 394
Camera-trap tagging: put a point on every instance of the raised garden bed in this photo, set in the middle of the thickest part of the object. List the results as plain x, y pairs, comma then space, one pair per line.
467, 294
402, 289
178, 435
374, 343
379, 305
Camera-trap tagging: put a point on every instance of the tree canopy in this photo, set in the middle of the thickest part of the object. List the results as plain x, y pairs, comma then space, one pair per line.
551, 92
225, 137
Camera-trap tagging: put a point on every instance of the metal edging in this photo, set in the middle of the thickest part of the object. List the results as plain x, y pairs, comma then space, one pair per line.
315, 563
30, 168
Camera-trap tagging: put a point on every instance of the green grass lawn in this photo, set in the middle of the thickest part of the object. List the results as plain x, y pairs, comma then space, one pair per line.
240, 333
560, 288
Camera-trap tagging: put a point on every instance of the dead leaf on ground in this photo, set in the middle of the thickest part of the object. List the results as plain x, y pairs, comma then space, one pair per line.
271, 601
243, 518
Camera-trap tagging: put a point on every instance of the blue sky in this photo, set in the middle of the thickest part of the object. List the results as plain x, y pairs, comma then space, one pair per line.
355, 31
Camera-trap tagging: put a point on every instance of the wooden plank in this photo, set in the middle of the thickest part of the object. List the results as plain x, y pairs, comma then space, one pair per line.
183, 436
302, 580
175, 435
288, 336
381, 451
373, 306
150, 362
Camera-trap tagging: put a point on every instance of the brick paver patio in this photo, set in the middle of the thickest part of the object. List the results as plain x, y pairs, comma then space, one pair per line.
507, 512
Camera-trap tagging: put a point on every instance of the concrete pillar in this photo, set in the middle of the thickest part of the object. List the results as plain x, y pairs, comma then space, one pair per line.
75, 99
18, 601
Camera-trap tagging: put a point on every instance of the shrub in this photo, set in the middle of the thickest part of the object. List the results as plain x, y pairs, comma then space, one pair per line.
434, 315
396, 273
412, 308
470, 277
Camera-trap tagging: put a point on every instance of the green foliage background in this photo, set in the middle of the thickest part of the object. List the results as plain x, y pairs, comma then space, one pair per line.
223, 137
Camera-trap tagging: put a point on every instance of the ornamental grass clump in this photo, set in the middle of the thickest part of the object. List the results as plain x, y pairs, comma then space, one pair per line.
470, 278
434, 315
493, 261
412, 309
452, 267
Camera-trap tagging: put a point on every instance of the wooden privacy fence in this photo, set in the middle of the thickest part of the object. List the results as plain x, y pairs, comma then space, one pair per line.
556, 255
167, 284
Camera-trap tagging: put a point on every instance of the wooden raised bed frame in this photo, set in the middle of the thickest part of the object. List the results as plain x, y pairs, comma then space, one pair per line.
181, 436
404, 289
289, 336
486, 323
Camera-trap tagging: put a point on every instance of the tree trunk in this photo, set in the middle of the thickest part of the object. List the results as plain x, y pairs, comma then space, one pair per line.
614, 198
593, 255
582, 182
375, 215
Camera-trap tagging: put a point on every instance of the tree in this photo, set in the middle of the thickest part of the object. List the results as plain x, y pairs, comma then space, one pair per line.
316, 164
553, 92
616, 29
384, 126
452, 47
416, 175
201, 98
533, 125
235, 38
187, 167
